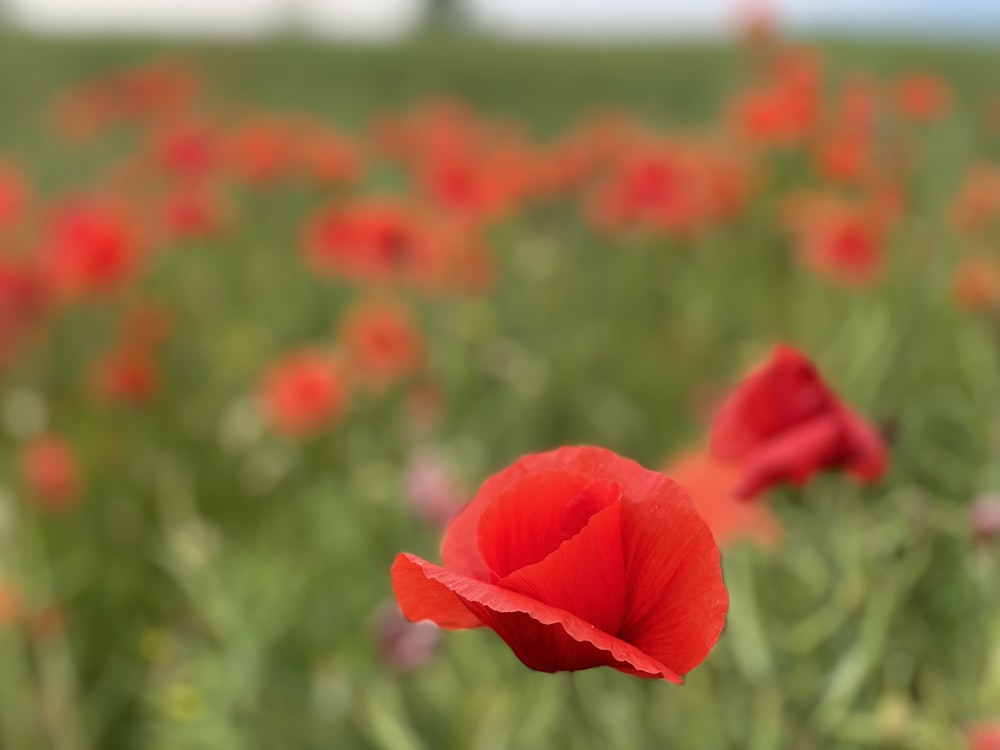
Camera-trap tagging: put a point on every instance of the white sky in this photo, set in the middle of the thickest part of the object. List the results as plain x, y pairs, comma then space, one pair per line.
590, 18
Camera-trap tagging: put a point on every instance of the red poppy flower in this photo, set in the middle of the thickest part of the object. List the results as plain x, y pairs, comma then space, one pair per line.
23, 302
712, 484
976, 283
922, 96
303, 393
783, 424
983, 735
51, 473
836, 238
90, 248
127, 376
382, 343
385, 240
577, 558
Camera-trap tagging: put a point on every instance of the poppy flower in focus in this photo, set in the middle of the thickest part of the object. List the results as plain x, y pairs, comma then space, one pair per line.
983, 735
784, 424
577, 558
711, 484
303, 393
51, 473
382, 343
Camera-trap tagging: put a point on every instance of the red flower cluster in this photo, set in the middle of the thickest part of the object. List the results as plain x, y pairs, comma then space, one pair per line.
784, 424
577, 558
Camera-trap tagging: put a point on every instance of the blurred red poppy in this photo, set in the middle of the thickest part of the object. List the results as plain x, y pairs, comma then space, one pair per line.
712, 484
983, 735
922, 96
303, 393
51, 473
90, 248
784, 424
577, 558
841, 240
382, 343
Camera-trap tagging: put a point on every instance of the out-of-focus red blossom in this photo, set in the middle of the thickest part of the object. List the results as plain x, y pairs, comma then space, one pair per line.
712, 485
403, 645
187, 148
384, 240
14, 195
475, 187
844, 155
303, 393
976, 206
676, 188
438, 128
983, 735
11, 605
127, 376
51, 473
89, 248
154, 92
263, 150
577, 558
984, 517
785, 107
976, 283
23, 304
784, 424
922, 97
837, 238
329, 157
382, 343
192, 210
430, 487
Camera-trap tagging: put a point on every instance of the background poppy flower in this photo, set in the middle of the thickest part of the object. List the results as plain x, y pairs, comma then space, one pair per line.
382, 343
303, 393
577, 558
783, 424
51, 473
711, 484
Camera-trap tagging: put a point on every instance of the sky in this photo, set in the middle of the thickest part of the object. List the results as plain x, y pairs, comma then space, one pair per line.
546, 18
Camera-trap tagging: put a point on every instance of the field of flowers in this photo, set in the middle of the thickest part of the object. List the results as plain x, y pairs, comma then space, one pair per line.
271, 314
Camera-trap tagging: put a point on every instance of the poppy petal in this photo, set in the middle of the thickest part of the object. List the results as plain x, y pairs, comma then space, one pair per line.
585, 576
545, 638
677, 601
536, 514
423, 599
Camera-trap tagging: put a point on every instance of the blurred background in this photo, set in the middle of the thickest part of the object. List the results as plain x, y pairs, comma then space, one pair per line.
283, 281
561, 19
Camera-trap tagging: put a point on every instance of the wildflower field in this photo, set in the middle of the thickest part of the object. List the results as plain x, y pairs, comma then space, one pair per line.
271, 315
